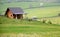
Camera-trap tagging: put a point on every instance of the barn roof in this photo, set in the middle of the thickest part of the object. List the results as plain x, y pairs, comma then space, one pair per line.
16, 10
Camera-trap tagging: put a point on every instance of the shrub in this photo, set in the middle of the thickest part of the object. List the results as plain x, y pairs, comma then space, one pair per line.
58, 14
44, 21
29, 19
34, 18
49, 22
0, 23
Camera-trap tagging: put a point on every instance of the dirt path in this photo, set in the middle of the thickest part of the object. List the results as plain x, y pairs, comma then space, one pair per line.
41, 34
19, 35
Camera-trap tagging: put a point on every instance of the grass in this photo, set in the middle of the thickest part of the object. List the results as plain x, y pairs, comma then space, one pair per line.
49, 9
13, 27
53, 20
43, 12
23, 26
32, 28
29, 29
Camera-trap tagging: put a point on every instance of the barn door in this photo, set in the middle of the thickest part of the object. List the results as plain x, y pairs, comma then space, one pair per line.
19, 16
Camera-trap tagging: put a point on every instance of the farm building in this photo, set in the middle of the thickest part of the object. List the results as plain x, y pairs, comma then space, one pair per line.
14, 13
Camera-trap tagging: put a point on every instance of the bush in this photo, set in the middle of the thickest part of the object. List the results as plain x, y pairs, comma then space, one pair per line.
44, 21
49, 22
0, 23
29, 19
58, 14
34, 18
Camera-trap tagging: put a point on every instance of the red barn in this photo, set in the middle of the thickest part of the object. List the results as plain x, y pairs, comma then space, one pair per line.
14, 12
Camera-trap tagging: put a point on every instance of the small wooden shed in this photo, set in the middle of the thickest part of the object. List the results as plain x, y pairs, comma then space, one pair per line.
14, 12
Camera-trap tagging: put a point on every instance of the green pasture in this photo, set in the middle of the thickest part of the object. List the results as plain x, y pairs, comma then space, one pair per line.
53, 20
8, 25
48, 9
43, 12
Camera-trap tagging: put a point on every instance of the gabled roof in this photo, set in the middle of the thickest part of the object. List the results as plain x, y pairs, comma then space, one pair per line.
16, 10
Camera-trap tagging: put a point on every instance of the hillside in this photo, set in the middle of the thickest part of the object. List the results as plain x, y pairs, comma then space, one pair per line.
15, 27
47, 10
44, 10
30, 1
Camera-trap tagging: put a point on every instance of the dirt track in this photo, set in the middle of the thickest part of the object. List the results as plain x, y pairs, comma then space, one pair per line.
41, 34
19, 35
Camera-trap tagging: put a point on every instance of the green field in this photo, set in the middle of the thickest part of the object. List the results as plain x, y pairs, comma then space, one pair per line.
49, 9
43, 12
10, 27
42, 30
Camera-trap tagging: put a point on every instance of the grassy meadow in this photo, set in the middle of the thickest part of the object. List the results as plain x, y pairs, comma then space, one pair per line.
43, 12
24, 28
